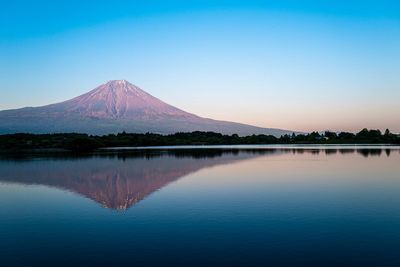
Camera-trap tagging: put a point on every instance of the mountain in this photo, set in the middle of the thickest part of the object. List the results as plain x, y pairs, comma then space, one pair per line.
113, 107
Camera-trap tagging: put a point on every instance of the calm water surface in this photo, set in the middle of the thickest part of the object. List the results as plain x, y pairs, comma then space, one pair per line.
226, 206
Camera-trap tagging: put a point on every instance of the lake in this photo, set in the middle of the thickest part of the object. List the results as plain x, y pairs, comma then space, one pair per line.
214, 206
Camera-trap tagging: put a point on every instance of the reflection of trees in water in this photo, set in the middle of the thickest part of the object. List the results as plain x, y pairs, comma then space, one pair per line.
120, 179
369, 152
200, 153
347, 151
365, 152
331, 151
195, 153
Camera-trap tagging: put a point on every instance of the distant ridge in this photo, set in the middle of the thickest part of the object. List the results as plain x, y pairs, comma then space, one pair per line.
113, 107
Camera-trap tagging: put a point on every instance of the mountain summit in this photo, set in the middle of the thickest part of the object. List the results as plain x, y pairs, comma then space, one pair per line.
120, 99
113, 107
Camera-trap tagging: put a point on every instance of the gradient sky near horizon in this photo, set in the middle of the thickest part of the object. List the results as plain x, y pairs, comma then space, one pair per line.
299, 65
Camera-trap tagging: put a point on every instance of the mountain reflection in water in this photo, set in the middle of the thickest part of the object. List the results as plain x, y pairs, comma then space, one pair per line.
119, 180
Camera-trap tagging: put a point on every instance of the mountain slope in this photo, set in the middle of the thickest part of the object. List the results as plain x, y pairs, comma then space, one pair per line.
115, 107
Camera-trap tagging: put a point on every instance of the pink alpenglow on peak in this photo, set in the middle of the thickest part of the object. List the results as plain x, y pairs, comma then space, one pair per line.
121, 99
114, 107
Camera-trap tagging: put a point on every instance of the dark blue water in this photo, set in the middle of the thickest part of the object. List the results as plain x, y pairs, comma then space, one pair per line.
212, 207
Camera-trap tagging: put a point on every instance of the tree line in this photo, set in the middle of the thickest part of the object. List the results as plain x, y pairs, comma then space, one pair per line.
84, 142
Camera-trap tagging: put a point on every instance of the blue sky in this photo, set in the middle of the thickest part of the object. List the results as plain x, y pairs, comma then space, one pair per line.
301, 65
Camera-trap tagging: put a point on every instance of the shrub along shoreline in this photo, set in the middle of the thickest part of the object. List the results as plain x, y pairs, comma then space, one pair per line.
84, 142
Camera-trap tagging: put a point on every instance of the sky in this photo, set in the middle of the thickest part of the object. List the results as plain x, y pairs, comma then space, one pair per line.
298, 65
